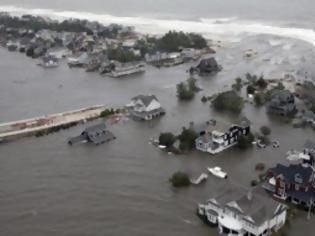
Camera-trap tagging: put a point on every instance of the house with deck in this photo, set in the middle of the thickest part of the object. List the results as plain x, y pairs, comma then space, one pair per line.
282, 103
216, 136
295, 183
237, 211
145, 107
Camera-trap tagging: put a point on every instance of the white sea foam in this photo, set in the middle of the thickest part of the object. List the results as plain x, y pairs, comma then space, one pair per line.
222, 27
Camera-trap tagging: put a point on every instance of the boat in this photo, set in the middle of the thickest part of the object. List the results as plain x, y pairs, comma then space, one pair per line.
217, 171
162, 146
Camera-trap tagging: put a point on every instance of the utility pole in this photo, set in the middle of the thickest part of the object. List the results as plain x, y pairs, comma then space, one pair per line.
310, 209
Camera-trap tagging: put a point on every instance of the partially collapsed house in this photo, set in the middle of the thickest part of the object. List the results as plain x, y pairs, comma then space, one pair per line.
96, 134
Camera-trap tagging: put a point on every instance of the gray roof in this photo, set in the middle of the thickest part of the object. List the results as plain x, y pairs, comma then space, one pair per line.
254, 203
309, 115
146, 99
96, 134
309, 144
289, 172
282, 95
96, 128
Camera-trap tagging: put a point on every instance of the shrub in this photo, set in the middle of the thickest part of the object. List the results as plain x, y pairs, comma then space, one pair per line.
244, 141
250, 89
228, 101
253, 183
260, 167
107, 112
167, 139
259, 99
261, 83
186, 90
265, 130
204, 99
180, 179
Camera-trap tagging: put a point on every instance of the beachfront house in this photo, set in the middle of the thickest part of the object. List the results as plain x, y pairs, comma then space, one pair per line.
293, 183
216, 136
96, 134
282, 103
145, 107
237, 211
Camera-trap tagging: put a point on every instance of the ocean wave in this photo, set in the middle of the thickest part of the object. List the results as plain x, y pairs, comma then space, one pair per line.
223, 27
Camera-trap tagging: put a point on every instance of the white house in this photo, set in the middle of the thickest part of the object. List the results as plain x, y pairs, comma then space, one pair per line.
244, 213
216, 136
145, 107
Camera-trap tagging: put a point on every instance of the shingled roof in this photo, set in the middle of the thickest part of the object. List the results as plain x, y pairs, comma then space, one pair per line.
289, 173
145, 99
251, 204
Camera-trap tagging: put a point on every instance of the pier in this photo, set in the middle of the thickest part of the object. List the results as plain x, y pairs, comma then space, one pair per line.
29, 127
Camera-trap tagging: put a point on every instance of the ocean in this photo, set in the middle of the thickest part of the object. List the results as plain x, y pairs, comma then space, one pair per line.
216, 19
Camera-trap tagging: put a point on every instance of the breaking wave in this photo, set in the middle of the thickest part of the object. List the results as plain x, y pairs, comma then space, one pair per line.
221, 27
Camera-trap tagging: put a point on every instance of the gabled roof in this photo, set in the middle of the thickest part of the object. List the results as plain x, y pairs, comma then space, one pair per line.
289, 172
252, 204
145, 99
282, 95
98, 134
95, 128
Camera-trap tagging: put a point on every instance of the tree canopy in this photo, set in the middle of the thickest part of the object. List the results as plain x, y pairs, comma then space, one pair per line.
180, 179
228, 101
167, 139
173, 41
187, 139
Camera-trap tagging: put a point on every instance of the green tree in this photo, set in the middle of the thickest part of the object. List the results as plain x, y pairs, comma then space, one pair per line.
228, 101
204, 99
265, 130
261, 83
173, 41
167, 139
107, 112
259, 99
186, 90
180, 179
187, 139
245, 141
250, 89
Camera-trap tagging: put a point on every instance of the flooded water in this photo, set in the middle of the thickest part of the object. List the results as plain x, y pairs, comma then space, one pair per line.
121, 188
